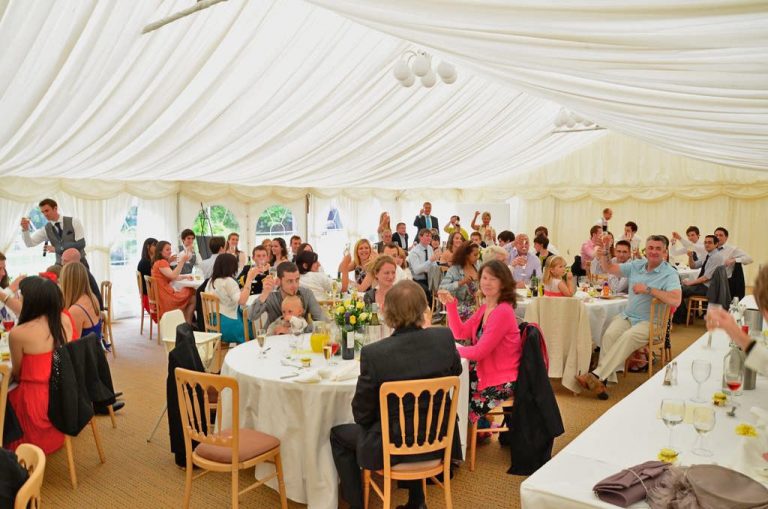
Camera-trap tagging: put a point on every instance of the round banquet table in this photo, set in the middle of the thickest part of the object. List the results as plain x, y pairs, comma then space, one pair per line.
301, 415
687, 273
601, 312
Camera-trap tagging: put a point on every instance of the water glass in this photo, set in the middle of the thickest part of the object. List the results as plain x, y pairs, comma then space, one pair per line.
700, 369
703, 422
672, 413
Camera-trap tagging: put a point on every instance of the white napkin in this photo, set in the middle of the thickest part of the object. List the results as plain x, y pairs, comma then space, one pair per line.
581, 295
347, 371
308, 377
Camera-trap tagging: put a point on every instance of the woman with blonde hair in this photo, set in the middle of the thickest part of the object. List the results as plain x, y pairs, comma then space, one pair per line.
486, 231
558, 282
383, 273
383, 224
80, 301
359, 262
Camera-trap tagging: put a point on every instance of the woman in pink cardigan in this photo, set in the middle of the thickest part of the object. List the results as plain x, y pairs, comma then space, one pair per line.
496, 346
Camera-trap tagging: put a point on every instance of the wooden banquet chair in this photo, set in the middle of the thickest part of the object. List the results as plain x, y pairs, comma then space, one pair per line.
154, 305
207, 346
212, 320
32, 458
221, 450
106, 316
436, 419
696, 304
472, 431
139, 283
657, 333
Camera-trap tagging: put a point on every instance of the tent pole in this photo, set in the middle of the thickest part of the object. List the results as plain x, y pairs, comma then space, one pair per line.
199, 6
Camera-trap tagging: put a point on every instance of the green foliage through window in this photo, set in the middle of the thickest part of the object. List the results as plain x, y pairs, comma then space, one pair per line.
223, 222
275, 220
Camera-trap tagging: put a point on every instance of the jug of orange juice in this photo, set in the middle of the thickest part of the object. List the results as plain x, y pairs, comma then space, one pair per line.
320, 336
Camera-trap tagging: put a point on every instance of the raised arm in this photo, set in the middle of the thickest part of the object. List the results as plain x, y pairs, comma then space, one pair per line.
608, 266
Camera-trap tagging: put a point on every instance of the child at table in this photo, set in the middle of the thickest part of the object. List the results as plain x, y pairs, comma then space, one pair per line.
557, 282
293, 316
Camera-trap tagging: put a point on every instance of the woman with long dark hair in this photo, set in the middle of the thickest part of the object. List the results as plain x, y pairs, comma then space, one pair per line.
233, 248
461, 280
41, 329
278, 252
231, 297
496, 345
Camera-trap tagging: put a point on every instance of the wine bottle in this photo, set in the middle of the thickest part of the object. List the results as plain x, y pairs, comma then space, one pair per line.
348, 345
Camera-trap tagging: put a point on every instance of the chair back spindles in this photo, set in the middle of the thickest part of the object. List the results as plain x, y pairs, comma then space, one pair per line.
211, 312
32, 458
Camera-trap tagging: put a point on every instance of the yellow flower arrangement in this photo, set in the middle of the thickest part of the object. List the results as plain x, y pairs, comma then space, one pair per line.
746, 430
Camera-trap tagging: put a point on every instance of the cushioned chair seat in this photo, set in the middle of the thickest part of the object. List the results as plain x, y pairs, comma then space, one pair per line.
252, 444
416, 465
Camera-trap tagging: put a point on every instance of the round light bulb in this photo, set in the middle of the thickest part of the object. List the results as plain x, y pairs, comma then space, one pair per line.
409, 81
570, 123
561, 118
401, 70
420, 65
446, 71
429, 79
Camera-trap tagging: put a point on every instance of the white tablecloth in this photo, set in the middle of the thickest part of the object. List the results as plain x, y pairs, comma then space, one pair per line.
186, 283
300, 415
686, 273
601, 312
630, 433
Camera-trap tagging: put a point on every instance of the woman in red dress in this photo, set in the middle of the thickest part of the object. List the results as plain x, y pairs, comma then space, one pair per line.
163, 275
42, 328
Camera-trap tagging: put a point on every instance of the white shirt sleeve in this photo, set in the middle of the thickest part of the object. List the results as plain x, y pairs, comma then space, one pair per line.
77, 226
35, 238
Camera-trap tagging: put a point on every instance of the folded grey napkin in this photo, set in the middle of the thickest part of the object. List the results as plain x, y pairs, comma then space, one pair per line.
630, 485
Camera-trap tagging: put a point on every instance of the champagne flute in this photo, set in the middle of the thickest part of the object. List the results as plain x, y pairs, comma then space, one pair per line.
273, 275
700, 369
711, 325
703, 422
672, 413
261, 337
327, 353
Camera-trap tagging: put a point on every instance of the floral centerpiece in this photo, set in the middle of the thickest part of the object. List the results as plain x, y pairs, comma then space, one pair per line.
351, 315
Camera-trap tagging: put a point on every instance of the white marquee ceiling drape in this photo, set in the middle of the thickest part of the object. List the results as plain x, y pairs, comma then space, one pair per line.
690, 76
263, 93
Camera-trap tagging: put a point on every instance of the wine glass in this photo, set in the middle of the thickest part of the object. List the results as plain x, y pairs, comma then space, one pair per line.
273, 275
261, 337
700, 369
672, 413
704, 422
333, 346
711, 324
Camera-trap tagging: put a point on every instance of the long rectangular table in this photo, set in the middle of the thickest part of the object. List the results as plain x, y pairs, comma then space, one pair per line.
631, 433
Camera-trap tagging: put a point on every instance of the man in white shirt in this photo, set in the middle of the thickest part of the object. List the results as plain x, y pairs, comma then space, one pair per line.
631, 236
188, 246
731, 254
603, 221
699, 286
623, 252
217, 245
421, 259
681, 246
61, 232
524, 264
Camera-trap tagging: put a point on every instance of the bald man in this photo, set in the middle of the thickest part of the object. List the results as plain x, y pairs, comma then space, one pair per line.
72, 255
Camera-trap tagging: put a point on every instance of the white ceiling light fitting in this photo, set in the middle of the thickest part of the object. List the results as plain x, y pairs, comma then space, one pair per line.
567, 121
415, 64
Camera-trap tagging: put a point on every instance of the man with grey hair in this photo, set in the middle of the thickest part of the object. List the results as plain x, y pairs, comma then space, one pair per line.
649, 278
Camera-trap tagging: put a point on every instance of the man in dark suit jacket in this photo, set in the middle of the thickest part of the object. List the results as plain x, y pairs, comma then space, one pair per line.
425, 220
400, 237
410, 353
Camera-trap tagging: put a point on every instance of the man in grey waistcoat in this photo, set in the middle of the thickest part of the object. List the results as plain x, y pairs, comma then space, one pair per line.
60, 232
